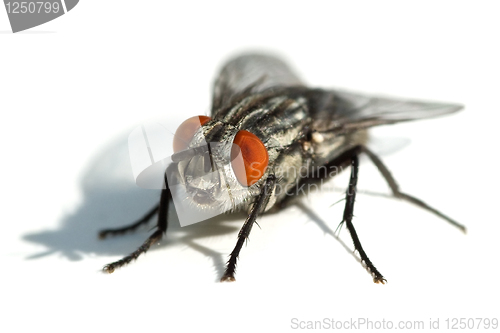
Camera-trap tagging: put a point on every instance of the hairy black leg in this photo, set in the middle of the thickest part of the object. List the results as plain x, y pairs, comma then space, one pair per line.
129, 228
259, 204
398, 194
351, 195
155, 237
348, 215
344, 160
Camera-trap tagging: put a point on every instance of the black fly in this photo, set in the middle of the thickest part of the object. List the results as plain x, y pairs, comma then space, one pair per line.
266, 134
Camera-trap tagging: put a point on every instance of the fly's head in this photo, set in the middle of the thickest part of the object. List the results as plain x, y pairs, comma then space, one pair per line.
220, 166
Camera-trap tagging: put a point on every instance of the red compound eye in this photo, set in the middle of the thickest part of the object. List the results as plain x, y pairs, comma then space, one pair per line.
252, 164
186, 130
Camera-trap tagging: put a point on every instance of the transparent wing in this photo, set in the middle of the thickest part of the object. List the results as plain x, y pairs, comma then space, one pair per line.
342, 111
331, 110
249, 74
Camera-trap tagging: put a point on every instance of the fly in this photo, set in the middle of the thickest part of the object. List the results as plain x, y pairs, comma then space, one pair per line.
267, 134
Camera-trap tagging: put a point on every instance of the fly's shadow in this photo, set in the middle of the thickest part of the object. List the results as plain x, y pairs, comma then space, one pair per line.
110, 198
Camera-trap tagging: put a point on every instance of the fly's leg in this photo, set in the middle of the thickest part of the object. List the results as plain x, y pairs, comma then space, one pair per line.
351, 196
162, 209
348, 215
129, 228
398, 194
260, 204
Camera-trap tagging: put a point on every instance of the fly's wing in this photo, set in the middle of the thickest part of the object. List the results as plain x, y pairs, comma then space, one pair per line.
344, 112
250, 74
331, 110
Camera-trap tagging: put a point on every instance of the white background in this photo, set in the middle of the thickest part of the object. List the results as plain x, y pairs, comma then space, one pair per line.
73, 89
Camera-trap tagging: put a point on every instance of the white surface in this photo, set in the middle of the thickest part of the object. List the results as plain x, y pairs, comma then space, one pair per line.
72, 90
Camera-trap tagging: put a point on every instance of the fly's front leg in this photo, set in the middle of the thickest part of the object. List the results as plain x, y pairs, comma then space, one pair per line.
162, 224
348, 215
260, 204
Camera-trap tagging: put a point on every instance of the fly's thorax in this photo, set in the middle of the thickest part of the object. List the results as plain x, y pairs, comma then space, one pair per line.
325, 147
305, 160
289, 168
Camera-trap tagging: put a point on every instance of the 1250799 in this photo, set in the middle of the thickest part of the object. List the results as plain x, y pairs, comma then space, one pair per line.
32, 7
